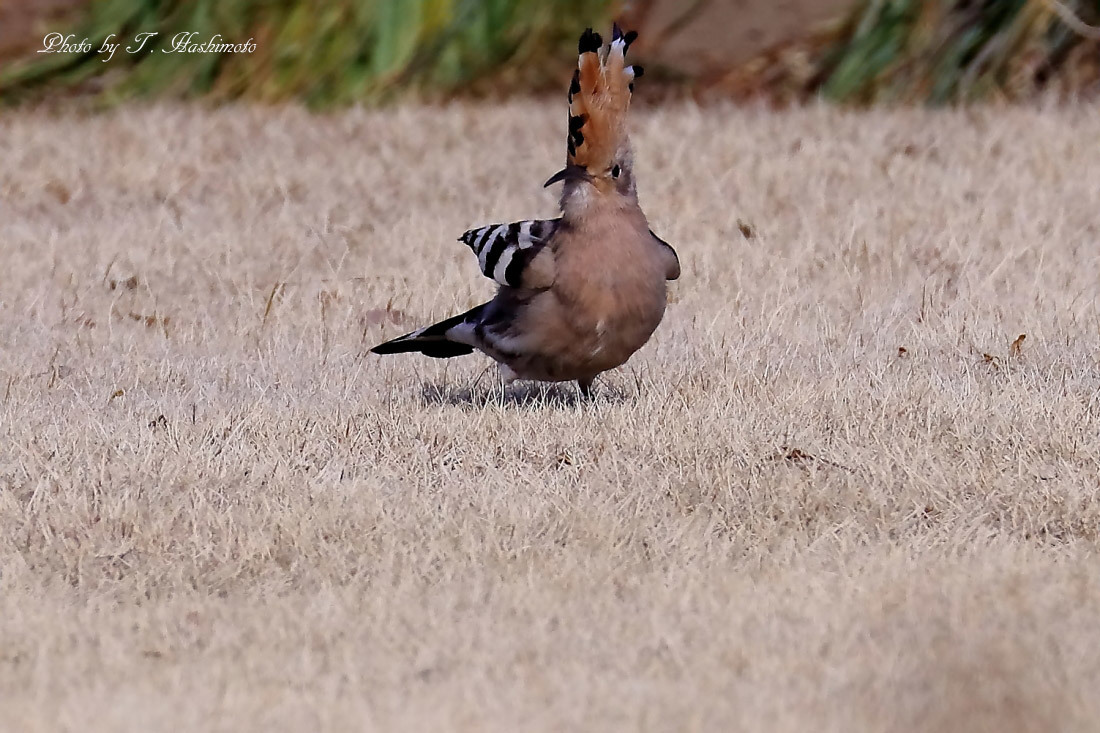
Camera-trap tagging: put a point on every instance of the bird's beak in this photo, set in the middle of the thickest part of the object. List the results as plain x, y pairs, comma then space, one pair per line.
569, 173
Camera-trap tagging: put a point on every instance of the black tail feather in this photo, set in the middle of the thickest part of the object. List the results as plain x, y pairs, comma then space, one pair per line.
432, 340
441, 349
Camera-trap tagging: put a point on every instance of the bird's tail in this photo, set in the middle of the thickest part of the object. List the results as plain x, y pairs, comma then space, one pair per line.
440, 340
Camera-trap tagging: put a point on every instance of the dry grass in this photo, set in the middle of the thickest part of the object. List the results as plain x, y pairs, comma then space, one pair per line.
811, 503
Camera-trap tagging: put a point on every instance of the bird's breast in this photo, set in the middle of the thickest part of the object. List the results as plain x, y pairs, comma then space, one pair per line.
613, 307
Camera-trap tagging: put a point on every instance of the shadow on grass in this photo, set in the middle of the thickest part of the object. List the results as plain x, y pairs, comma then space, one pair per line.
525, 395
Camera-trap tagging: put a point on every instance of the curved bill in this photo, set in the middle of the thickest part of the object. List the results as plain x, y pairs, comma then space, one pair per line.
568, 173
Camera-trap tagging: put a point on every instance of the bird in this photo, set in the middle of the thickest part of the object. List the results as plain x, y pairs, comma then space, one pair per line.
580, 294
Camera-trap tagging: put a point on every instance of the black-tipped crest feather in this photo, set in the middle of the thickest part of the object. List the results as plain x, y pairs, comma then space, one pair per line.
590, 42
599, 97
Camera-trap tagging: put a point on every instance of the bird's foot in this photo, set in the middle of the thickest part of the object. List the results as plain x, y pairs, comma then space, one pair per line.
585, 387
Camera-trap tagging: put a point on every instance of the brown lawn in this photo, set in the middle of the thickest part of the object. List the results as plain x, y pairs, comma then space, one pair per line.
829, 495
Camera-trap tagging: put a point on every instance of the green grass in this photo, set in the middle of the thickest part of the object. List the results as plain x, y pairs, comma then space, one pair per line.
323, 53
941, 51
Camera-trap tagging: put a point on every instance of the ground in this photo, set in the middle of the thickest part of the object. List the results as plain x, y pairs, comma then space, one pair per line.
837, 491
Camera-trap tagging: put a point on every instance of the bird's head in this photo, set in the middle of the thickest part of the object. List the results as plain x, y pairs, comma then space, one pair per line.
599, 162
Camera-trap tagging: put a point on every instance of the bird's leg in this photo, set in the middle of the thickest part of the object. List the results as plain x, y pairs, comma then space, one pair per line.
507, 376
586, 387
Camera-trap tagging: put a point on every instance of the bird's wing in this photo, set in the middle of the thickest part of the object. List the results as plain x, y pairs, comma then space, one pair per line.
515, 254
672, 261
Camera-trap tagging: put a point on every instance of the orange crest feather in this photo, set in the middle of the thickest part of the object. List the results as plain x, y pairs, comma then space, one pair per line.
599, 97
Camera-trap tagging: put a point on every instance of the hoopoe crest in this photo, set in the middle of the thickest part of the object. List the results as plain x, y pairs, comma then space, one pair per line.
599, 97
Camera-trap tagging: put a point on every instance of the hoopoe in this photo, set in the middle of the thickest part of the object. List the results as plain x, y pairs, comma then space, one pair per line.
581, 293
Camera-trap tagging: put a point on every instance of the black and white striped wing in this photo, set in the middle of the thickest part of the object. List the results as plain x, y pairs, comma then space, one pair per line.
504, 251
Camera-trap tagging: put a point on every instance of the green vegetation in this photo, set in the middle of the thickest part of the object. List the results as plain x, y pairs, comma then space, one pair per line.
941, 51
370, 51
323, 53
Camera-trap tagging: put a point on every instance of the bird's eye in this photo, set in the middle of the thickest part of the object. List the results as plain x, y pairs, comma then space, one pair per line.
615, 171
